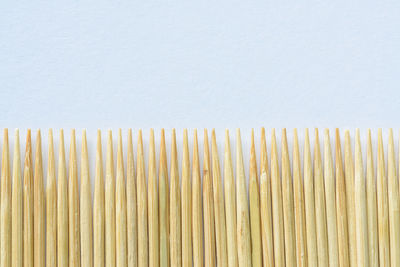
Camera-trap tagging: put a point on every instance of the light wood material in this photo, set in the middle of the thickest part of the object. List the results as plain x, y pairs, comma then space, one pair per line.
154, 251
175, 208
163, 190
277, 209
74, 213
197, 209
383, 206
51, 207
230, 204
208, 208
312, 248
5, 219
360, 205
143, 240
255, 217
343, 239
39, 230
62, 206
86, 207
98, 210
330, 194
394, 204
17, 251
298, 191
320, 212
186, 205
372, 207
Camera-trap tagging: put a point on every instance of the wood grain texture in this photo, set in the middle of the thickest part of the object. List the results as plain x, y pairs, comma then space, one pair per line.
187, 257
17, 252
5, 219
163, 190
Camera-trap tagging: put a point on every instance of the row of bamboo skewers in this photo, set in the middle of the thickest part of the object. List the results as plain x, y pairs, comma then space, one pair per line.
326, 211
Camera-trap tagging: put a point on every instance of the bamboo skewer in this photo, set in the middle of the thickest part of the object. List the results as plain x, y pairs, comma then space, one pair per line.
341, 206
312, 249
120, 208
219, 208
197, 218
255, 217
230, 204
51, 207
73, 198
39, 208
98, 209
243, 219
320, 212
288, 206
143, 249
17, 208
110, 205
330, 194
360, 205
28, 203
62, 207
186, 206
372, 207
277, 209
175, 208
163, 204
5, 220
394, 204
301, 234
208, 209
86, 207
154, 260
383, 206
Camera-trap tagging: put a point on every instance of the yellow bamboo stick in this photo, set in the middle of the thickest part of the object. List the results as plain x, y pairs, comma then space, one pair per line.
39, 240
98, 210
301, 234
110, 204
163, 204
230, 204
186, 205
197, 214
28, 203
51, 207
17, 208
154, 251
5, 220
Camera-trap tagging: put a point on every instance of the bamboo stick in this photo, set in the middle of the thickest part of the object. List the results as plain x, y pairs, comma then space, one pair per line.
243, 219
51, 207
5, 220
312, 249
219, 208
330, 194
62, 207
301, 234
120, 208
154, 250
110, 204
39, 240
288, 206
186, 205
230, 204
143, 241
372, 207
320, 212
255, 217
17, 208
208, 208
175, 208
28, 203
394, 204
383, 206
98, 210
351, 213
277, 209
360, 205
86, 207
163, 204
197, 214
343, 238
73, 193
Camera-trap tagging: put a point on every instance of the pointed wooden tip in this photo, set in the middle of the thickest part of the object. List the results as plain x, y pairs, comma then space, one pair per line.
196, 163
17, 155
84, 144
263, 153
51, 165
253, 160
152, 151
227, 143
206, 161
